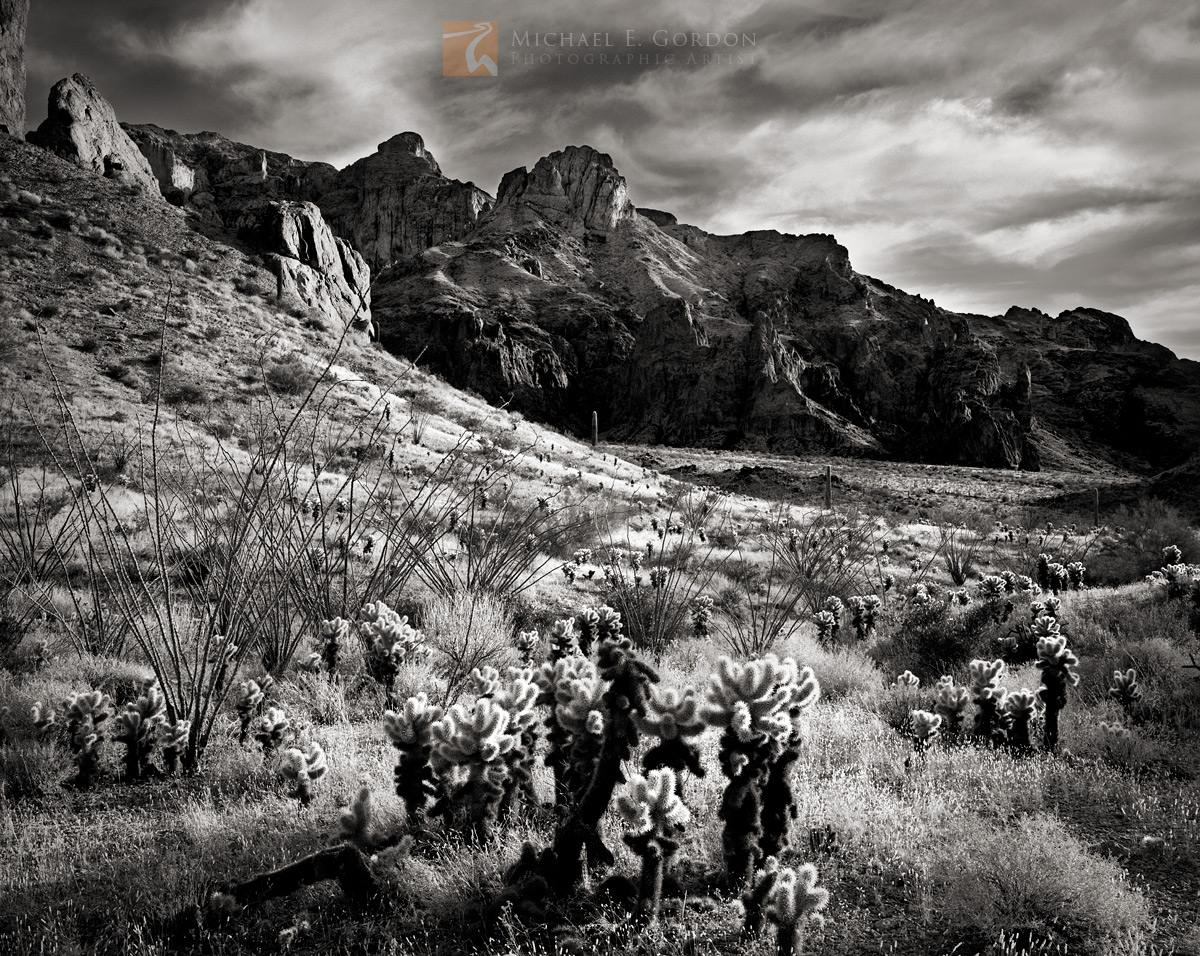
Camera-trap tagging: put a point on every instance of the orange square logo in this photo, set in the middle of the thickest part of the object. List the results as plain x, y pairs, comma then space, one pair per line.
470, 48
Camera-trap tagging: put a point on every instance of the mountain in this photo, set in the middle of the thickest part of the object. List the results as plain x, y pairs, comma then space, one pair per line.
567, 299
561, 298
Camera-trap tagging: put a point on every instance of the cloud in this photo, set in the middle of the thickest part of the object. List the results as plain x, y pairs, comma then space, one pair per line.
984, 152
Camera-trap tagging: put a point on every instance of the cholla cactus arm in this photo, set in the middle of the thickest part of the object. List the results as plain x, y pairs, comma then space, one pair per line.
272, 727
755, 897
926, 728
518, 696
564, 640
1125, 689
409, 733
137, 727
795, 901
827, 628
1057, 665
390, 642
355, 822
44, 717
486, 681
1021, 706
674, 717
653, 815
302, 768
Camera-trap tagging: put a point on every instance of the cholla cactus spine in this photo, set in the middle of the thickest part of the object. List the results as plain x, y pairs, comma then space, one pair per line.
795, 901
654, 815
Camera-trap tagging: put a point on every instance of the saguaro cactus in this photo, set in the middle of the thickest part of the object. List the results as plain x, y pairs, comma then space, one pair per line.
654, 816
1057, 665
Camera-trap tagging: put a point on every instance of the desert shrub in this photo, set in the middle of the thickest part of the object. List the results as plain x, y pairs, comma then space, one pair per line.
960, 546
466, 630
186, 393
1134, 546
934, 635
31, 769
289, 375
1035, 875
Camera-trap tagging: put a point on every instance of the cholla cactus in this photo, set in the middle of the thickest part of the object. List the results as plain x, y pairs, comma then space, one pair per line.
758, 704
137, 727
992, 588
926, 728
486, 680
86, 714
1075, 574
302, 768
907, 681
44, 717
654, 816
272, 727
863, 611
1172, 555
527, 643
826, 625
1057, 665
354, 821
991, 719
468, 746
1125, 689
390, 642
564, 639
334, 635
174, 741
702, 615
951, 702
518, 695
597, 624
1020, 706
250, 699
409, 733
674, 717
795, 901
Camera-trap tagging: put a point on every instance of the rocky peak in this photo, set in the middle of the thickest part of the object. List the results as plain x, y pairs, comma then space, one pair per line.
82, 128
13, 16
577, 189
412, 144
658, 217
396, 202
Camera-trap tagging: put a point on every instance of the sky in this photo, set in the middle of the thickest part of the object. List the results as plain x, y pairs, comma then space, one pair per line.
982, 153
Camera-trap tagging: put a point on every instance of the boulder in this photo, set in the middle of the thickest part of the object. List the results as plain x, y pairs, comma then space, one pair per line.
396, 202
312, 266
14, 14
82, 128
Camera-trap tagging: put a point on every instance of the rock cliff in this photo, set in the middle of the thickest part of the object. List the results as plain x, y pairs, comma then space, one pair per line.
312, 266
14, 14
81, 127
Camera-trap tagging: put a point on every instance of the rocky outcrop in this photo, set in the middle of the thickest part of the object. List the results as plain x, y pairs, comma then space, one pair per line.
14, 14
82, 128
312, 266
396, 202
216, 178
564, 300
576, 189
658, 217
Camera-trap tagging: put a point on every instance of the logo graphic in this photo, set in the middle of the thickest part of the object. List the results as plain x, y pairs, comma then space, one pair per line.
470, 48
